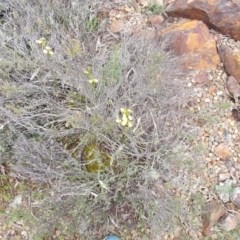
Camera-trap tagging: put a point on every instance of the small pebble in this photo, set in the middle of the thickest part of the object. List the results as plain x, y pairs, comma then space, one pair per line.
112, 237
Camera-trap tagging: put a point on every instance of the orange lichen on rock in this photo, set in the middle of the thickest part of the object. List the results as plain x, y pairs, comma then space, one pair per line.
193, 42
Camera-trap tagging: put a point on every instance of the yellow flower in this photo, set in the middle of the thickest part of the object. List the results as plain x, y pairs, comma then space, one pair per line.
130, 118
125, 119
122, 110
125, 111
42, 41
129, 124
48, 51
86, 71
93, 81
118, 120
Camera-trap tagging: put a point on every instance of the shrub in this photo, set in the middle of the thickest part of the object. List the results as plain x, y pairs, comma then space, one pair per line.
154, 8
61, 107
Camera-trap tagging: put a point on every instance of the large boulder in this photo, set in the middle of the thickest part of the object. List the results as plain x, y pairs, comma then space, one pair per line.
193, 43
222, 15
231, 60
233, 88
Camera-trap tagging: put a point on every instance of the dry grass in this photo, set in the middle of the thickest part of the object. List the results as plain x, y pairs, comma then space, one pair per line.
52, 113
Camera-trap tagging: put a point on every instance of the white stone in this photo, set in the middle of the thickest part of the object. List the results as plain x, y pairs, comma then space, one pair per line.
219, 93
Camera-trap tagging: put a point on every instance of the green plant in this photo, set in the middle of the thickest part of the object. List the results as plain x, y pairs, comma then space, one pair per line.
96, 158
91, 23
6, 137
21, 214
154, 8
224, 105
62, 111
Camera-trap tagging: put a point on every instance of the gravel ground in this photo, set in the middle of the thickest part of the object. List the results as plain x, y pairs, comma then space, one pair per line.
213, 123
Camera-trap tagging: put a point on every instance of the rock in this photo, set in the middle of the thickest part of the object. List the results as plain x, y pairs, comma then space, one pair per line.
143, 3
228, 222
113, 13
223, 175
16, 202
212, 212
231, 61
224, 189
212, 89
236, 113
103, 14
235, 197
112, 237
223, 151
222, 15
116, 26
149, 34
201, 78
233, 88
156, 20
192, 41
